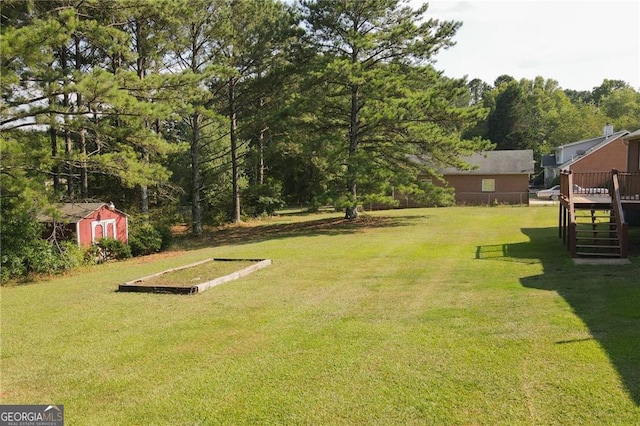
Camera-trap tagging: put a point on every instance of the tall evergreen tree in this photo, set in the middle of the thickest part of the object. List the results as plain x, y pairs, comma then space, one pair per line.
254, 41
367, 51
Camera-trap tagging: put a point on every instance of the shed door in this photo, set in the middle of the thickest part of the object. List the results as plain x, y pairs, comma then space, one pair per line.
103, 229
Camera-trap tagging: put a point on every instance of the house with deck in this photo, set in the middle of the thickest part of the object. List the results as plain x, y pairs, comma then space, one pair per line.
600, 154
597, 207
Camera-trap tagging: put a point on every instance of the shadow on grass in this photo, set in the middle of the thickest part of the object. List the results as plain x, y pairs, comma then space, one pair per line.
605, 297
253, 233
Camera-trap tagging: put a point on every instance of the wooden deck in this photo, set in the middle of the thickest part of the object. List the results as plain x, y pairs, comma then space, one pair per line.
585, 199
591, 199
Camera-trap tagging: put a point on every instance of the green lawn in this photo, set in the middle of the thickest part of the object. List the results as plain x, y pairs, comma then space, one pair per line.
429, 316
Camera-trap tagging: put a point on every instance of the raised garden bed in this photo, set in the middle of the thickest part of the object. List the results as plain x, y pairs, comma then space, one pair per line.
195, 277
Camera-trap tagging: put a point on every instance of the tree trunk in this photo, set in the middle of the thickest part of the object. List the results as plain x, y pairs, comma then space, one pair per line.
142, 73
84, 176
263, 130
84, 179
144, 189
351, 211
68, 145
196, 211
233, 134
53, 135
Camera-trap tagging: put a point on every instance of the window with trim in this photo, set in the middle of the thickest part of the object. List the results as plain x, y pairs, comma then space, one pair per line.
488, 185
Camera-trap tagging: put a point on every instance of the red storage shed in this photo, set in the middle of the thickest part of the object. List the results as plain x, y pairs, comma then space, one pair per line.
88, 222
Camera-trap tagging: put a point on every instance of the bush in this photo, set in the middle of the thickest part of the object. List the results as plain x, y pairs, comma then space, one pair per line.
145, 239
263, 199
23, 249
166, 235
112, 249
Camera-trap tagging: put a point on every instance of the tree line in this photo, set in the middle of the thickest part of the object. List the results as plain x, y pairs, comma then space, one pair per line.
215, 110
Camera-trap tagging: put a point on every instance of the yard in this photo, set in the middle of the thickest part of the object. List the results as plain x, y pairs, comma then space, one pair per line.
465, 315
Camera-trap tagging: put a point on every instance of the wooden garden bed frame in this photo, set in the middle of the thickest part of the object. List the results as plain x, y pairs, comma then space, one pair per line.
138, 286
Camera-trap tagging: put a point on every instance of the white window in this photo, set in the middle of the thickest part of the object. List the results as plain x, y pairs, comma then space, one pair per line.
103, 229
488, 185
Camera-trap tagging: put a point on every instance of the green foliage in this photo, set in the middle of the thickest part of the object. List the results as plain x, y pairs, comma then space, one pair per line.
144, 239
189, 103
113, 249
382, 103
24, 252
378, 201
260, 200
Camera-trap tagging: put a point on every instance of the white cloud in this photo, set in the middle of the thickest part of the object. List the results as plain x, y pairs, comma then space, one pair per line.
577, 43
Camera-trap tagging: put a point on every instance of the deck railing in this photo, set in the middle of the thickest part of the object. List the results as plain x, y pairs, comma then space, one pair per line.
621, 223
590, 183
567, 213
629, 186
600, 183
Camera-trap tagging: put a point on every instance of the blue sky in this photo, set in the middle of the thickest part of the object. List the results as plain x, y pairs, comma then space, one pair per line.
577, 43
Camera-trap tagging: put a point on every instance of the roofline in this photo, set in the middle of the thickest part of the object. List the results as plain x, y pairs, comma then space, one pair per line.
471, 173
632, 136
593, 139
593, 149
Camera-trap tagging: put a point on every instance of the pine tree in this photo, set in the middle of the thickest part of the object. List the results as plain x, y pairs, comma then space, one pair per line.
369, 54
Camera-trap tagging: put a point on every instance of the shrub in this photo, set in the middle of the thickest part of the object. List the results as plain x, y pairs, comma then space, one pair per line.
166, 235
73, 255
145, 239
20, 240
113, 249
263, 199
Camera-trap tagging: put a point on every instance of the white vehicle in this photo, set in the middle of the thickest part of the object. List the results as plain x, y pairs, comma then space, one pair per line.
553, 193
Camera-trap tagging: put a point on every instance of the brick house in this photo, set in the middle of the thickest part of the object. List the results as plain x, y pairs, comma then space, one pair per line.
632, 140
601, 154
497, 177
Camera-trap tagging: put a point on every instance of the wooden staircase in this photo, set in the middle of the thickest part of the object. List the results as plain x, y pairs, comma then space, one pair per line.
592, 224
597, 234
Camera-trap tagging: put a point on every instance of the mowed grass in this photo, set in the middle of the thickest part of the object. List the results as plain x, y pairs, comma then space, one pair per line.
464, 315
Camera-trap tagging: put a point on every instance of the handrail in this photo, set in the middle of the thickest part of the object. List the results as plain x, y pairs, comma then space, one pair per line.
573, 226
622, 225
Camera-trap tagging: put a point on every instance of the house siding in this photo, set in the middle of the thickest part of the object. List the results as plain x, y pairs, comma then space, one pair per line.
610, 156
509, 188
102, 219
633, 163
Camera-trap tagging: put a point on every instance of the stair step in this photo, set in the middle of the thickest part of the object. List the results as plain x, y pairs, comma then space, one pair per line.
598, 254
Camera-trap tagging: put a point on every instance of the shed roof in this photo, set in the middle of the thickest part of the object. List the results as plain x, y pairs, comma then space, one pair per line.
75, 212
505, 162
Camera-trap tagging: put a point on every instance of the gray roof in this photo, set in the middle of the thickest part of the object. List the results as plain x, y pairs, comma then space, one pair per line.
602, 141
632, 136
74, 212
597, 140
496, 163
